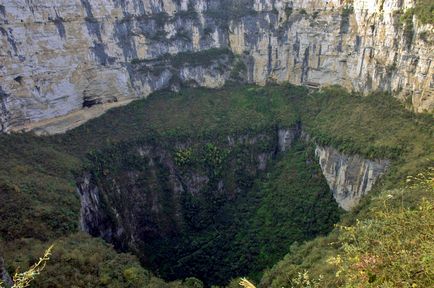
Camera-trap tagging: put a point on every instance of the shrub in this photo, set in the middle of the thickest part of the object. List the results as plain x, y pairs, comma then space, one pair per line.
424, 11
347, 10
393, 249
184, 157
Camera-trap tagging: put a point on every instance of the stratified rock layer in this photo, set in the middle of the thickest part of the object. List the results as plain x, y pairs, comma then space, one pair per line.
63, 57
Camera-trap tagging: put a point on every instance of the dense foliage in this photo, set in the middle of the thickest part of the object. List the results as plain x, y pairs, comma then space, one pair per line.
38, 173
424, 11
390, 246
81, 261
391, 249
252, 232
387, 234
289, 202
375, 126
191, 113
210, 224
36, 189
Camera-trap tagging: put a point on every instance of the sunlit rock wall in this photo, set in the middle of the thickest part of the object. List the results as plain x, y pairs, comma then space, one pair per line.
74, 57
349, 177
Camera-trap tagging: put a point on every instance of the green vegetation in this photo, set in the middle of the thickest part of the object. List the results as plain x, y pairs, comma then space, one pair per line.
363, 252
191, 113
389, 247
291, 204
24, 279
376, 126
37, 189
424, 13
39, 205
423, 10
37, 174
277, 211
81, 261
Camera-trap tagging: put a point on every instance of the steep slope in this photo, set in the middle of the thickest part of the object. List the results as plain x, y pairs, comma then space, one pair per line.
78, 58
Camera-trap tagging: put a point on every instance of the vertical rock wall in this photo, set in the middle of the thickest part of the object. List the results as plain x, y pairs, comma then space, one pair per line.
5, 278
63, 57
349, 177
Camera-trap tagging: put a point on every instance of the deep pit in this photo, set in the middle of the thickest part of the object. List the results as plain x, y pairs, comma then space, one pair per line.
220, 185
212, 209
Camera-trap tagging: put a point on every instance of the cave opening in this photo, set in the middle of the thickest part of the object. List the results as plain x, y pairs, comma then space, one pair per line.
89, 102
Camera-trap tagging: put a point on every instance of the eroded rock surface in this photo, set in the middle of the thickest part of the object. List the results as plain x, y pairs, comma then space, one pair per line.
349, 177
59, 57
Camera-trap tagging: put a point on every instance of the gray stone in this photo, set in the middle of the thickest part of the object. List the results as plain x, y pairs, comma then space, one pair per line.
364, 50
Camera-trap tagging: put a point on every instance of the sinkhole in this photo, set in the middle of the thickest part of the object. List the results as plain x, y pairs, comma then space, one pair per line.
212, 206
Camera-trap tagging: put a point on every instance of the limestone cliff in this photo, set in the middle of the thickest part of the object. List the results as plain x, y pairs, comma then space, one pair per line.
349, 177
75, 59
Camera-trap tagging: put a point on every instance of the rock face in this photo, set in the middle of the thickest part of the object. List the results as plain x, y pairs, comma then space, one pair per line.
349, 177
59, 57
90, 215
4, 275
